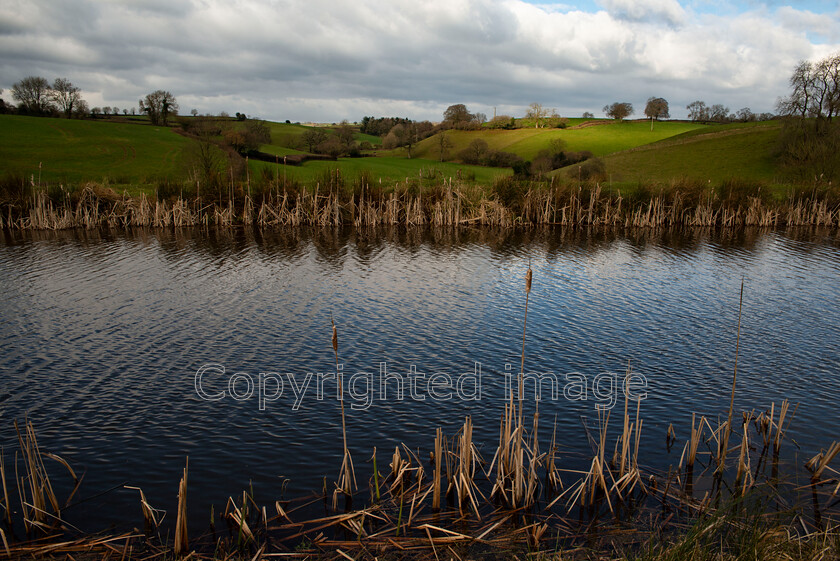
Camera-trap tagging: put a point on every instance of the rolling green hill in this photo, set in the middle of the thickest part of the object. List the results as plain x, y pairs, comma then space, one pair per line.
717, 153
387, 169
64, 150
133, 156
604, 138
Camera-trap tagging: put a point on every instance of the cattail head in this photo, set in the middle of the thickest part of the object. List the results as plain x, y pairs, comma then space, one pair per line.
334, 337
528, 279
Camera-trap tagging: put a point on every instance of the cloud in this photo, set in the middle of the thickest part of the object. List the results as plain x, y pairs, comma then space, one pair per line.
328, 60
668, 11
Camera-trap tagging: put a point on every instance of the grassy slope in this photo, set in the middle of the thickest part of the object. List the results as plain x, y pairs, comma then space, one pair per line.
600, 140
716, 153
71, 150
128, 154
389, 169
286, 139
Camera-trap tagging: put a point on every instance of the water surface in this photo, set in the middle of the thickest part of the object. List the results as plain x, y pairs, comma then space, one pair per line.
104, 333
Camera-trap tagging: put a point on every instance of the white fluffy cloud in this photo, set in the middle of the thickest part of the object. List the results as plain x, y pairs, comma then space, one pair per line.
329, 59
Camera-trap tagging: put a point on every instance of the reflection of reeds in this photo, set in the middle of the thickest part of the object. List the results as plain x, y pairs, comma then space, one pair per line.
724, 443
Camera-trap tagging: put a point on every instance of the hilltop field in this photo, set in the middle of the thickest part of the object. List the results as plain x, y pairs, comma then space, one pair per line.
134, 156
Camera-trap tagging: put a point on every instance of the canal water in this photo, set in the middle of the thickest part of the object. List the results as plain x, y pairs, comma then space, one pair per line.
133, 351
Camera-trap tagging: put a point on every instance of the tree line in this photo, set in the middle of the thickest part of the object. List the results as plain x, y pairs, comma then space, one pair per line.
37, 96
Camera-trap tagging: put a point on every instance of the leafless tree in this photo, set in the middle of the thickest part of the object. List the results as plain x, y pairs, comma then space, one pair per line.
403, 135
816, 90
444, 145
313, 137
719, 113
538, 113
698, 111
159, 105
33, 94
65, 95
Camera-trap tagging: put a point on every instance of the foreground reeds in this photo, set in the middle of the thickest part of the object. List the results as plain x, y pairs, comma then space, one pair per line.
448, 203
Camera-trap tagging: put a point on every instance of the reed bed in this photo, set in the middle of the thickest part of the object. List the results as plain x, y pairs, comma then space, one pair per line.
508, 203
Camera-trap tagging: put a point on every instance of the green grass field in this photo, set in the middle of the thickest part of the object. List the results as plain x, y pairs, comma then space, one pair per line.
133, 156
716, 153
121, 154
387, 169
601, 140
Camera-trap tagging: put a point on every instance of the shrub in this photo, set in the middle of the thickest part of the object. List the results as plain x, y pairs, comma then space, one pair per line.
499, 159
474, 153
522, 168
592, 169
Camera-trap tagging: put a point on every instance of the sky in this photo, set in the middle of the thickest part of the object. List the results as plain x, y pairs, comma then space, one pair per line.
328, 60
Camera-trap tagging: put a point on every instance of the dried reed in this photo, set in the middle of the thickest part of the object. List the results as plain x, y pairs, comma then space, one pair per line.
347, 475
451, 202
181, 540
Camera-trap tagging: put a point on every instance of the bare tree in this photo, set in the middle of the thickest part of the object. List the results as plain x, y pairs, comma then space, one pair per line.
588, 115
159, 105
475, 152
444, 145
816, 90
538, 113
65, 95
618, 110
81, 109
313, 137
403, 135
33, 94
698, 111
719, 113
346, 134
